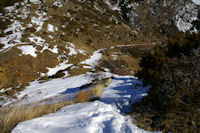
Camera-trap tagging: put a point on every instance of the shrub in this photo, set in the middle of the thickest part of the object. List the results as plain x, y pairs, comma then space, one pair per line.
89, 42
116, 66
174, 74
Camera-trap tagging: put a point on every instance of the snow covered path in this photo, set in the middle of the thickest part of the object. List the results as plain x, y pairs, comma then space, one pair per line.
123, 91
103, 116
93, 117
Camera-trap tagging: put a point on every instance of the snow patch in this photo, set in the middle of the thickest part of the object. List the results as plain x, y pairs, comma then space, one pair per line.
50, 28
14, 38
28, 50
113, 7
64, 88
122, 92
98, 8
35, 1
196, 2
94, 59
39, 21
61, 66
58, 3
73, 50
185, 16
46, 47
50, 36
87, 67
54, 50
37, 40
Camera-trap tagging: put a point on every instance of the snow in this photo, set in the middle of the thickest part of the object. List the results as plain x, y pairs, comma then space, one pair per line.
58, 3
37, 40
39, 21
35, 1
100, 116
28, 50
185, 15
50, 36
50, 28
46, 47
93, 117
14, 38
113, 7
10, 8
61, 66
73, 50
196, 2
94, 59
87, 67
122, 92
97, 55
48, 89
54, 50
98, 8
183, 26
64, 88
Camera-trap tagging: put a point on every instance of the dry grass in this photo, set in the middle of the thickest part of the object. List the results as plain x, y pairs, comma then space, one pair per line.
9, 118
96, 90
83, 96
93, 92
108, 81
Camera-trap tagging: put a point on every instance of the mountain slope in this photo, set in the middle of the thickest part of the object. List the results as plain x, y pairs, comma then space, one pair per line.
45, 38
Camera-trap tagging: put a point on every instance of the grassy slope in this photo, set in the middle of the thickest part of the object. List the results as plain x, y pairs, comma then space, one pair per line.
96, 30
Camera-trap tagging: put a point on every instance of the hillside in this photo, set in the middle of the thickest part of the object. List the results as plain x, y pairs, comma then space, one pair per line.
63, 50
49, 39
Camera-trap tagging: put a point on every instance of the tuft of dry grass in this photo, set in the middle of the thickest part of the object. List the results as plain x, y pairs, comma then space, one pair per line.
96, 90
10, 117
108, 81
93, 92
83, 96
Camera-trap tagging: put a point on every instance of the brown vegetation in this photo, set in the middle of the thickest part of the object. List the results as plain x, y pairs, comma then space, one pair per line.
89, 26
93, 92
83, 96
10, 117
17, 70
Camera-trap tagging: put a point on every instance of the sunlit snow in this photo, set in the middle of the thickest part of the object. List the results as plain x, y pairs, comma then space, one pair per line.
196, 2
94, 59
61, 66
103, 116
50, 28
28, 50
93, 117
